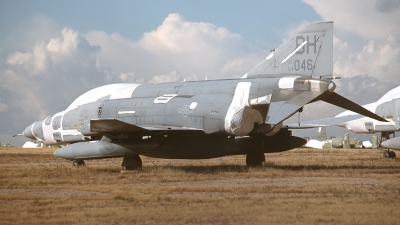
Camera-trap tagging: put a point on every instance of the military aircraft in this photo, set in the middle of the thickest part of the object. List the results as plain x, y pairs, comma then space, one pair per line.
201, 119
388, 107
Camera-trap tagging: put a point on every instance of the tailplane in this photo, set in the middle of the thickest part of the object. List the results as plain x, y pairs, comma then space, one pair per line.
308, 53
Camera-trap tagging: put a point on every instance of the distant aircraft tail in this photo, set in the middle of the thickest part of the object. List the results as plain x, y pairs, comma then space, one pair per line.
308, 53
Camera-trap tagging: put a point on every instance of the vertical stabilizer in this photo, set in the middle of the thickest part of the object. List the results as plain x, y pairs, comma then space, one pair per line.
309, 53
321, 134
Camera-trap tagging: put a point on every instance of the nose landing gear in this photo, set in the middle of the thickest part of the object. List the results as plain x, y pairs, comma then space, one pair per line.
78, 163
389, 154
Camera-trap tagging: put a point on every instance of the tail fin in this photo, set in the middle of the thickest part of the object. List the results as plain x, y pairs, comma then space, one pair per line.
308, 54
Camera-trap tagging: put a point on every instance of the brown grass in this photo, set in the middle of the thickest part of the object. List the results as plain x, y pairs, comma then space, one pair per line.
301, 186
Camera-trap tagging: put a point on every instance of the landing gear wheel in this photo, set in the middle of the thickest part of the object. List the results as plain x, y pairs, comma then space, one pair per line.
389, 154
132, 163
78, 163
386, 154
255, 159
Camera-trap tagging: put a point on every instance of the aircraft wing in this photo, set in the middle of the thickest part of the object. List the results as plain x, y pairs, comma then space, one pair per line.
323, 122
112, 125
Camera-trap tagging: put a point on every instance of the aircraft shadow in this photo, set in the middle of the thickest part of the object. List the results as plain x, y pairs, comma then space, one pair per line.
208, 169
266, 166
324, 167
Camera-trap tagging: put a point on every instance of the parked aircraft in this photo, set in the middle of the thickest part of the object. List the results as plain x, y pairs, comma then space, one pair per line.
388, 107
202, 119
320, 139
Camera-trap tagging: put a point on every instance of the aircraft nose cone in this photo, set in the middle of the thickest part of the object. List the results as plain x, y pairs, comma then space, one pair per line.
34, 131
28, 132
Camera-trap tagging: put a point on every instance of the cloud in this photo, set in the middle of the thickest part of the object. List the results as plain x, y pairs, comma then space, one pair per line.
34, 62
44, 77
371, 19
3, 106
176, 35
127, 77
173, 76
373, 27
363, 89
45, 58
195, 49
377, 59
240, 65
387, 5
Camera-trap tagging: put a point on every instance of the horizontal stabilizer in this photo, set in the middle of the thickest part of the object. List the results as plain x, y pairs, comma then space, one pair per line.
342, 102
113, 126
323, 122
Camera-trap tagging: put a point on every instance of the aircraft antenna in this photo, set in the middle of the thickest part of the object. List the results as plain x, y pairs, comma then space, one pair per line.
298, 115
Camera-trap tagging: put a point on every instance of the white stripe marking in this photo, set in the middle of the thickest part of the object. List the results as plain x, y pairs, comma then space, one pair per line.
126, 112
297, 49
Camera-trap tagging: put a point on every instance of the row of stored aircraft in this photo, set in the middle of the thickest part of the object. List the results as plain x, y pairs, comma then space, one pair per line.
201, 119
388, 107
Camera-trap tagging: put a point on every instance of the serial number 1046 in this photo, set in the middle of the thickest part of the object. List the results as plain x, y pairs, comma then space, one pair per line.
297, 65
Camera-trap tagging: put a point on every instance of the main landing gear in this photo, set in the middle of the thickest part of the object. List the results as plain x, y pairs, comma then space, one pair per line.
78, 163
389, 154
386, 136
132, 163
255, 159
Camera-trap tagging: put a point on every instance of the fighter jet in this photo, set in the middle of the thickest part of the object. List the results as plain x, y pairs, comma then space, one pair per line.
388, 107
201, 119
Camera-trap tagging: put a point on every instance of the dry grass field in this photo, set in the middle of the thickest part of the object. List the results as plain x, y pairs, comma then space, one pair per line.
301, 186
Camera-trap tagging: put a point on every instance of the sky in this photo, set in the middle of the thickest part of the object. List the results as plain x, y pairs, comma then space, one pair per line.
53, 51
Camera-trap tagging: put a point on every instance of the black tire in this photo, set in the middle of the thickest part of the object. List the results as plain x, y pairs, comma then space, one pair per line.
132, 163
392, 154
255, 159
386, 154
78, 163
